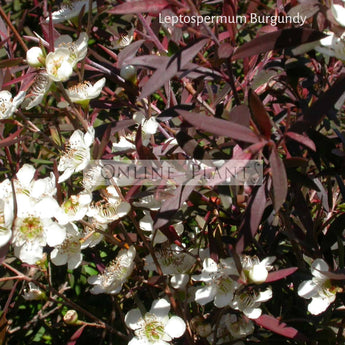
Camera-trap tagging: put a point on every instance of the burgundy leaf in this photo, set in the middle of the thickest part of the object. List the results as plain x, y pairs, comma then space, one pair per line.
286, 38
76, 335
301, 139
225, 50
252, 217
11, 139
273, 276
279, 178
153, 6
170, 206
241, 115
128, 53
191, 146
274, 325
176, 63
259, 114
334, 275
10, 62
220, 127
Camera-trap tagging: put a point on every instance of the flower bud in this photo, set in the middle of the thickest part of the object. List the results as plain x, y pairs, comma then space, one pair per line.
71, 317
35, 57
128, 72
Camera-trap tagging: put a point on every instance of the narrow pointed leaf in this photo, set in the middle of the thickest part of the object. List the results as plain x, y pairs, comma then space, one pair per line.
276, 326
279, 178
220, 127
259, 114
302, 139
281, 39
176, 63
153, 6
74, 338
273, 276
252, 218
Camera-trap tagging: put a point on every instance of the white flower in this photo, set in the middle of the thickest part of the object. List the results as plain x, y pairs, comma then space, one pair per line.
110, 209
146, 224
333, 45
35, 57
115, 275
70, 10
239, 327
69, 251
6, 219
338, 12
124, 40
8, 105
155, 327
125, 143
319, 289
77, 156
256, 271
173, 261
34, 228
34, 293
219, 285
60, 63
77, 49
74, 208
83, 92
248, 301
148, 126
36, 189
38, 89
94, 177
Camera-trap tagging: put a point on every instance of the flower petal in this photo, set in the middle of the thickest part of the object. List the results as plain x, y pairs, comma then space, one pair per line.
307, 289
318, 305
205, 294
175, 327
160, 307
132, 318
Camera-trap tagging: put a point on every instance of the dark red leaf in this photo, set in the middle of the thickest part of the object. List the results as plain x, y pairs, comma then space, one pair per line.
76, 335
301, 139
11, 139
252, 217
241, 115
128, 53
225, 50
279, 178
176, 63
220, 127
10, 62
153, 6
276, 326
286, 38
273, 276
259, 114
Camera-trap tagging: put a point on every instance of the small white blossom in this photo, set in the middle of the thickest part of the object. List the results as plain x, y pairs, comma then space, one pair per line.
70, 10
8, 105
248, 301
125, 143
69, 251
333, 45
34, 228
256, 271
124, 39
219, 285
148, 126
74, 208
60, 63
155, 327
338, 12
319, 288
77, 155
114, 275
83, 92
173, 261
